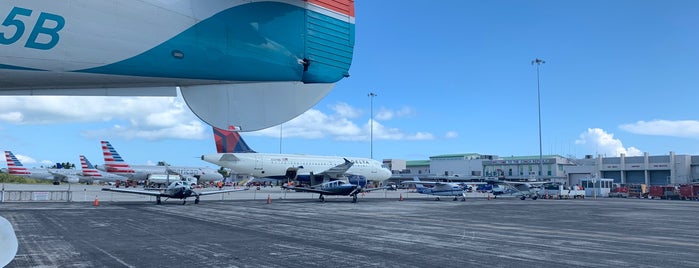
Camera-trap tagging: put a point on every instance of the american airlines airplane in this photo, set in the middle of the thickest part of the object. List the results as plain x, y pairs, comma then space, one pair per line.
235, 154
113, 163
15, 167
238, 64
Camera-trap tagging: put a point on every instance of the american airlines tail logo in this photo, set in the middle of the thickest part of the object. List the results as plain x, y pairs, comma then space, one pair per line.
88, 169
112, 161
14, 166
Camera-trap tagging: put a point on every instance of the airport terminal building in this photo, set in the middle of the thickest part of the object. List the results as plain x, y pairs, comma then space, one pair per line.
670, 169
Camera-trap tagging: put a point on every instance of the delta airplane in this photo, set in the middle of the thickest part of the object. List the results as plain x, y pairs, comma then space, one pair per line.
177, 190
113, 163
238, 64
235, 154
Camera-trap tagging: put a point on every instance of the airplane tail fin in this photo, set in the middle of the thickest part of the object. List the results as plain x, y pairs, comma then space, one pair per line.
418, 186
88, 169
113, 161
230, 142
14, 166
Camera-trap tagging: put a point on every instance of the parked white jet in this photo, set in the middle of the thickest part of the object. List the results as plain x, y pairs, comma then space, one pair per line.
113, 163
15, 167
235, 154
253, 63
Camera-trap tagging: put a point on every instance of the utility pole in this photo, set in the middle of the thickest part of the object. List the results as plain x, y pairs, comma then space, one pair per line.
371, 123
538, 62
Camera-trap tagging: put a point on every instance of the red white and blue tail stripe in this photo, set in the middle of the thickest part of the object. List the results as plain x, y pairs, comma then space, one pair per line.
14, 166
88, 169
113, 162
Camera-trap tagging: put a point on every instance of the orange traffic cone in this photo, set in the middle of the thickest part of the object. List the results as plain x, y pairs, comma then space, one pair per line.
401, 197
96, 202
269, 199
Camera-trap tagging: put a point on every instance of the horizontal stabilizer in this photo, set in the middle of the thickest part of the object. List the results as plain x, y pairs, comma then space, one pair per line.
252, 106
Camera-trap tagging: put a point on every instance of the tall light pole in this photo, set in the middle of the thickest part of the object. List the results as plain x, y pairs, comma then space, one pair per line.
538, 62
371, 122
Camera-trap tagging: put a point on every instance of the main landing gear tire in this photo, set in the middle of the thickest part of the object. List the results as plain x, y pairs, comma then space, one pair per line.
321, 198
196, 201
157, 201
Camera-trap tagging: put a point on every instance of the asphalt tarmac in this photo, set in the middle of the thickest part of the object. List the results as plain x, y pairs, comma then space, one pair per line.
378, 231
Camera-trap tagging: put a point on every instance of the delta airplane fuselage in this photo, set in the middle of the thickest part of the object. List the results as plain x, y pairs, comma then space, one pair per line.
238, 63
265, 165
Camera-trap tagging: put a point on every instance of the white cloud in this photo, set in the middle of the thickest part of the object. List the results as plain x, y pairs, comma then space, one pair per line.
154, 118
345, 110
146, 117
315, 124
679, 128
605, 144
25, 159
451, 134
386, 114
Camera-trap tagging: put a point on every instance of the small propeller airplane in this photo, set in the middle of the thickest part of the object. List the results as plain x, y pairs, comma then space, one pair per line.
335, 187
522, 190
177, 189
440, 188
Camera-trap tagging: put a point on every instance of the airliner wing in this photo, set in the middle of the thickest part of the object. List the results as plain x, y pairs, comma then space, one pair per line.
134, 191
338, 170
221, 191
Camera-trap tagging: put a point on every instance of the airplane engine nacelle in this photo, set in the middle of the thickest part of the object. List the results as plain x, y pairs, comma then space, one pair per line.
291, 174
358, 180
72, 180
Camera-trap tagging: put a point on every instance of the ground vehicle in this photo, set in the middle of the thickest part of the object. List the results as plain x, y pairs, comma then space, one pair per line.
561, 191
664, 192
619, 191
689, 192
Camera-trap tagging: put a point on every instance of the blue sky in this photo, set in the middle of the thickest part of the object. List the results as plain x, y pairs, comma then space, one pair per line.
451, 77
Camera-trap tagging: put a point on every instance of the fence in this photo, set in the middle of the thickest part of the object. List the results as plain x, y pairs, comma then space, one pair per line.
34, 196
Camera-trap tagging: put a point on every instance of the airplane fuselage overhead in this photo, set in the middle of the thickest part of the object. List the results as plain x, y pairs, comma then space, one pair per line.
276, 165
220, 53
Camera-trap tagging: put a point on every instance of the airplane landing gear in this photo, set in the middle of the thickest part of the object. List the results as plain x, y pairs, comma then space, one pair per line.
157, 200
463, 199
321, 198
184, 201
196, 200
354, 198
455, 199
436, 198
522, 197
